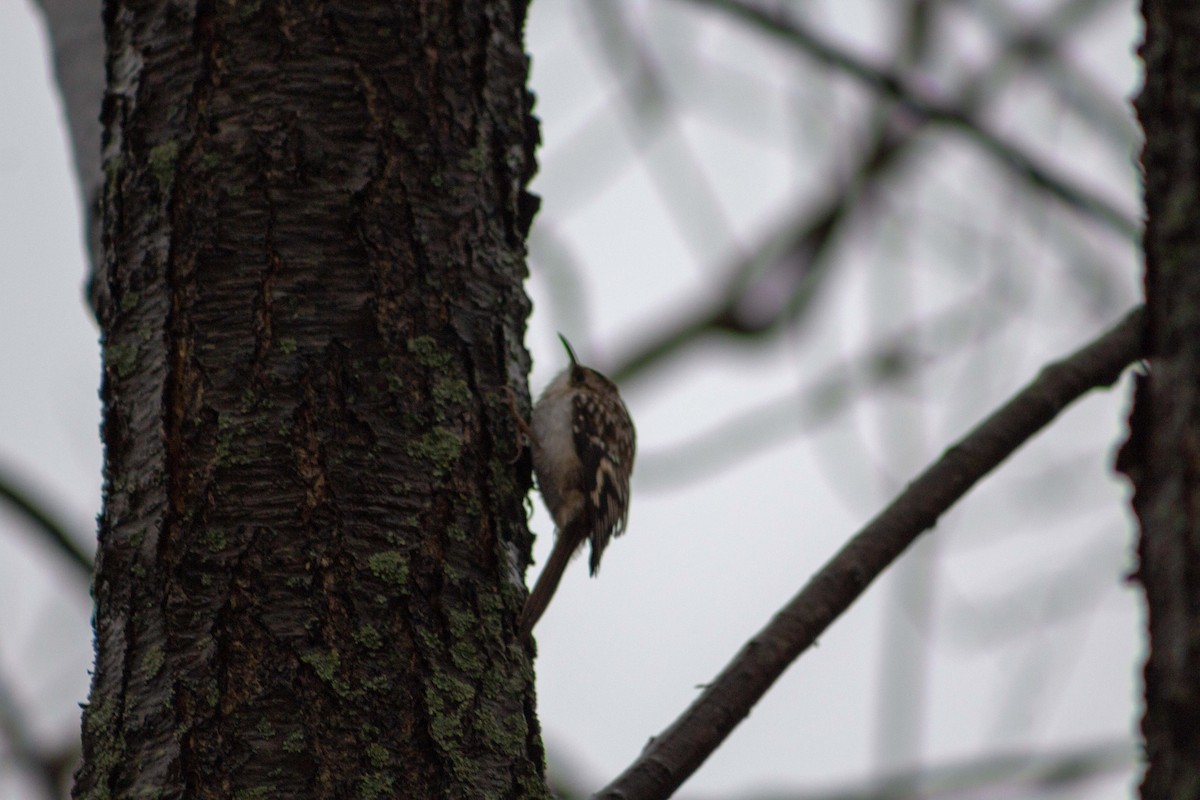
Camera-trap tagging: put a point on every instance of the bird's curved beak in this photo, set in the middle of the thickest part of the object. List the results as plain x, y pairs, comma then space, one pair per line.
570, 351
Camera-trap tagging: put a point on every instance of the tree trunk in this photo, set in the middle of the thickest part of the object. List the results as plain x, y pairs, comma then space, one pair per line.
1162, 456
312, 542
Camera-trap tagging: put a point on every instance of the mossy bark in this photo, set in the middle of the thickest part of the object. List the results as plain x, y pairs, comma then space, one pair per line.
1162, 455
310, 297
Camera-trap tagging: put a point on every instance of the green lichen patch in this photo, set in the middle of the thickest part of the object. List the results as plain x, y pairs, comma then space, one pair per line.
492, 685
451, 391
294, 743
121, 358
112, 166
439, 448
428, 640
214, 539
457, 533
162, 164
326, 663
212, 693
152, 662
376, 785
465, 657
455, 692
429, 353
446, 729
471, 506
98, 717
463, 624
231, 442
507, 735
378, 754
390, 566
379, 684
368, 636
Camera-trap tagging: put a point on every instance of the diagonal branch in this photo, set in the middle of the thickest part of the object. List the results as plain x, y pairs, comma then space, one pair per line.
674, 755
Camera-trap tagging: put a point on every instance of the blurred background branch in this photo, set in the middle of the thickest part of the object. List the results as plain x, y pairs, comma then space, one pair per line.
37, 513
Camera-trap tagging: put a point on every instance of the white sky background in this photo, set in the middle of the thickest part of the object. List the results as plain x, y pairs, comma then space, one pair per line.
1020, 652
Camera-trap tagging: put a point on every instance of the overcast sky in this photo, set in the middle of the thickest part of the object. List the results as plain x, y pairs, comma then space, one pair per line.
706, 560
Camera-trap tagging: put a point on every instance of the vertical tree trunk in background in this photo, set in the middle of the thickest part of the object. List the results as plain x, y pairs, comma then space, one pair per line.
310, 294
1162, 456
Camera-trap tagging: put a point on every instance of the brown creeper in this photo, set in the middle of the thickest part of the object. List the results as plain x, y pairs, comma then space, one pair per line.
583, 446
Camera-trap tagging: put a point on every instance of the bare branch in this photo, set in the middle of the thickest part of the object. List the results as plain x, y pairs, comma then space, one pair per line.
805, 240
923, 105
674, 755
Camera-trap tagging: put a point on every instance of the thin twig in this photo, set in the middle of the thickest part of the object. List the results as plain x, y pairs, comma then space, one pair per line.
674, 755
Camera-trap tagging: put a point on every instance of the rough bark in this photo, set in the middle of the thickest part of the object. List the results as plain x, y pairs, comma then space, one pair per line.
1162, 455
312, 542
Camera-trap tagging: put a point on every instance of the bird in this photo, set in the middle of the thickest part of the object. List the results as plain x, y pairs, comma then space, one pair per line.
583, 444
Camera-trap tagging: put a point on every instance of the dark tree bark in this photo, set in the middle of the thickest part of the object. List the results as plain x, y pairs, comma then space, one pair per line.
1162, 455
312, 542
